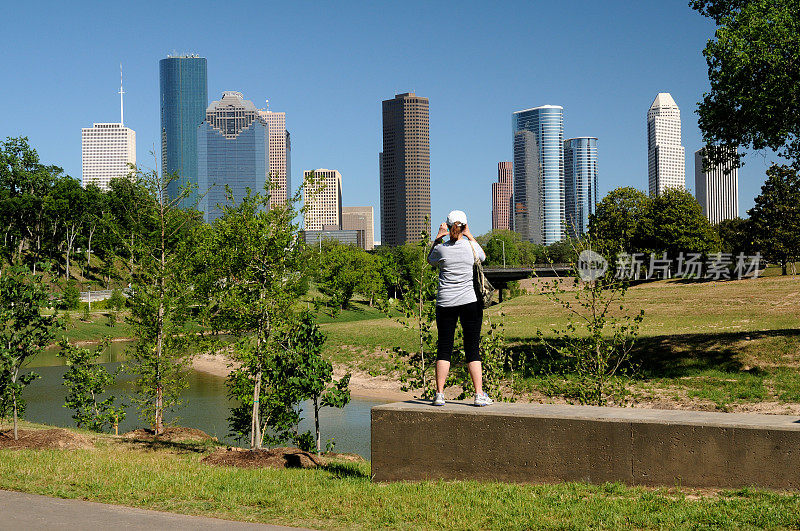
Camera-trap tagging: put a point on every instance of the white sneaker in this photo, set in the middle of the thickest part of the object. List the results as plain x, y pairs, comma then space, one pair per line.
438, 400
483, 400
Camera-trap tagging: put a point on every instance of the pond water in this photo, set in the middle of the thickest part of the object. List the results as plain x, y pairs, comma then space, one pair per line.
206, 405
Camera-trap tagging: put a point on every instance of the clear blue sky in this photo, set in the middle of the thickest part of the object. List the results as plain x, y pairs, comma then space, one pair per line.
329, 65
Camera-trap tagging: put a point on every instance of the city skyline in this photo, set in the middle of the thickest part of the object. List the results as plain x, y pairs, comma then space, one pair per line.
604, 90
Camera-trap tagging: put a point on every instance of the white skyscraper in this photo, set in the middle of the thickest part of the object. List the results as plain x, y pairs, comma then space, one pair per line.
107, 149
279, 155
323, 209
717, 189
666, 158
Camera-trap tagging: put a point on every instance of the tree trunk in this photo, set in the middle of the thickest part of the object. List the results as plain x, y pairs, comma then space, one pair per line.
316, 421
255, 427
783, 268
14, 395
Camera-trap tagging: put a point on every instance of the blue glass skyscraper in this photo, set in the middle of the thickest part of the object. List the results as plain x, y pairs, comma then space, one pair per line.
539, 174
184, 98
580, 183
232, 152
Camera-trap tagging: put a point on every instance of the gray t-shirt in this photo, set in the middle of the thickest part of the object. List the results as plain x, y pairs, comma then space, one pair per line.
454, 260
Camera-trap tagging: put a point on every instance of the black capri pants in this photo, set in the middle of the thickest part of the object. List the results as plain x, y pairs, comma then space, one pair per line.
471, 316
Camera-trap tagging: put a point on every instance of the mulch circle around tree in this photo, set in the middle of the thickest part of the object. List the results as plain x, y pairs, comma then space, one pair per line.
45, 439
273, 458
173, 434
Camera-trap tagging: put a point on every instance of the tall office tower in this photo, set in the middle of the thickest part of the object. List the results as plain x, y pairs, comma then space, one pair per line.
232, 151
501, 196
184, 98
323, 202
666, 159
279, 155
580, 183
107, 150
539, 174
405, 174
716, 189
360, 218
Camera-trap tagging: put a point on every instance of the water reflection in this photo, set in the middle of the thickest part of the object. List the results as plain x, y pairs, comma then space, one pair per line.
206, 406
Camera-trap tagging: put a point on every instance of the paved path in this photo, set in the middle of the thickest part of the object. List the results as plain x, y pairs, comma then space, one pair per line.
31, 511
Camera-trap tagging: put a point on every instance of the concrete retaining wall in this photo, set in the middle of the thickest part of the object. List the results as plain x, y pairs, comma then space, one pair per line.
553, 443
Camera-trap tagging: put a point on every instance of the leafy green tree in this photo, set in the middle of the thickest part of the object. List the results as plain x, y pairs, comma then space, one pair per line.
96, 214
594, 348
312, 374
159, 304
254, 265
753, 72
24, 332
735, 236
775, 218
561, 252
24, 186
71, 296
66, 206
340, 272
87, 381
614, 224
501, 248
417, 306
673, 222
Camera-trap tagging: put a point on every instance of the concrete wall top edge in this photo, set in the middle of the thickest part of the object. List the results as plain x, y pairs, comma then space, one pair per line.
602, 414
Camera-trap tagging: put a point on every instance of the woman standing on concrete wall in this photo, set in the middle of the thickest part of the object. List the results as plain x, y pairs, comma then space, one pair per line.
456, 299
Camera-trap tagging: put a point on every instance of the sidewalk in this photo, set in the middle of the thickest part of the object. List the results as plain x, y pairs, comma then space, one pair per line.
31, 511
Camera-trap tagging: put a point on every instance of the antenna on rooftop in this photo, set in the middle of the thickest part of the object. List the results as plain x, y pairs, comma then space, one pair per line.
121, 92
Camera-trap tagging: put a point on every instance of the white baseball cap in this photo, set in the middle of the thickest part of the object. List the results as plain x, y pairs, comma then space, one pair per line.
456, 216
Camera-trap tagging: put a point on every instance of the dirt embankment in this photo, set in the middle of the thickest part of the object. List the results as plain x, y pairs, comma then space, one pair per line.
361, 384
55, 438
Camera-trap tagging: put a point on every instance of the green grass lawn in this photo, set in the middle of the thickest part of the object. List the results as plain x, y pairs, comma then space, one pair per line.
341, 495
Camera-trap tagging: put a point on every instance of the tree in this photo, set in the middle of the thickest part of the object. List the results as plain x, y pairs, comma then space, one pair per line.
340, 272
775, 218
254, 265
735, 236
24, 185
312, 374
66, 204
673, 223
24, 332
613, 225
159, 304
417, 304
595, 346
501, 248
86, 381
754, 72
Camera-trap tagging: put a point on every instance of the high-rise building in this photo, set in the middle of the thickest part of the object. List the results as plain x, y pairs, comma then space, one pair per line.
279, 156
580, 183
107, 151
323, 201
501, 196
539, 174
405, 172
360, 218
232, 151
184, 98
716, 189
666, 159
